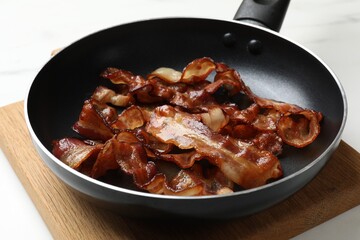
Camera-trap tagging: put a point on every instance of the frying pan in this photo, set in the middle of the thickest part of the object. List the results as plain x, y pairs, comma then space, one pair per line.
271, 65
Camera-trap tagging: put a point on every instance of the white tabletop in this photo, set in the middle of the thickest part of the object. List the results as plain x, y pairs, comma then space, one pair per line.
30, 30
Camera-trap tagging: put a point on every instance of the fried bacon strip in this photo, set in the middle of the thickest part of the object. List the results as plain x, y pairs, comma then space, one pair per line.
215, 135
118, 76
75, 153
167, 74
95, 119
196, 181
198, 70
106, 95
130, 118
240, 162
106, 159
299, 129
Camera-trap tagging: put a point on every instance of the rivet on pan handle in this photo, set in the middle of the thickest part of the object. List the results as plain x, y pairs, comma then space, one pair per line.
265, 13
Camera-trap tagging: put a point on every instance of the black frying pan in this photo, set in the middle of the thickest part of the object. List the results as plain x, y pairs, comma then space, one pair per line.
272, 66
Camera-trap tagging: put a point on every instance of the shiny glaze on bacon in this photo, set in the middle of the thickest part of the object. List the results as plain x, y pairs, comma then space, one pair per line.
242, 163
177, 135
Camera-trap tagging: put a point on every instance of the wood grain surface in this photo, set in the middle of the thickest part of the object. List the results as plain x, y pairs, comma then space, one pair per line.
335, 190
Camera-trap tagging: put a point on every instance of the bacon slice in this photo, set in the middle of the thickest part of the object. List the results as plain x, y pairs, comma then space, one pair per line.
230, 79
152, 143
199, 181
279, 106
119, 76
74, 152
198, 70
299, 129
95, 119
267, 120
242, 163
106, 95
247, 115
185, 183
106, 159
132, 159
137, 85
195, 98
125, 152
167, 74
130, 118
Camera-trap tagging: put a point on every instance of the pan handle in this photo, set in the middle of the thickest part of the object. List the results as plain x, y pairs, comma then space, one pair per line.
265, 13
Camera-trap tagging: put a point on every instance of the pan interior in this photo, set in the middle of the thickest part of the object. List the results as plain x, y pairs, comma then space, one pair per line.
281, 70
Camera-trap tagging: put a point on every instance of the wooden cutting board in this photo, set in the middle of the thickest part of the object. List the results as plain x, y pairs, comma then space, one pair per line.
335, 190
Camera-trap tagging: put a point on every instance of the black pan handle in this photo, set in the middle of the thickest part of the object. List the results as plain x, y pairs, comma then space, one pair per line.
265, 13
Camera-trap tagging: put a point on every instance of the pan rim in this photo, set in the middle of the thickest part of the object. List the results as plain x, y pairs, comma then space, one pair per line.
332, 146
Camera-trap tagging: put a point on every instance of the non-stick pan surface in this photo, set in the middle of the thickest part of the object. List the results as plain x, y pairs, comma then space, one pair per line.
272, 66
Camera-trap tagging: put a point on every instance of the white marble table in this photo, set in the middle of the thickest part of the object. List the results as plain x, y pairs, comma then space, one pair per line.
30, 30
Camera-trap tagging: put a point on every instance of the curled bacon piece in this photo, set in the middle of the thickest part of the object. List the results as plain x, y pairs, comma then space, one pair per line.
106, 95
106, 158
178, 133
130, 118
151, 143
75, 153
246, 116
185, 183
230, 79
198, 70
278, 106
137, 85
124, 151
267, 120
194, 182
192, 99
118, 76
167, 74
95, 119
299, 129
